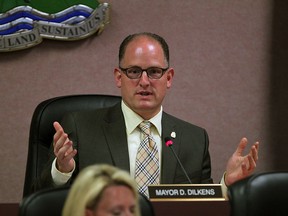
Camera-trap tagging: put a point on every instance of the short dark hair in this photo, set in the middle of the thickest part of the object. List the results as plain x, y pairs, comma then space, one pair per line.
129, 38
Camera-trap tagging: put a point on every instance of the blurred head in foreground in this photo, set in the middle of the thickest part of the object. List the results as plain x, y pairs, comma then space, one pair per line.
102, 190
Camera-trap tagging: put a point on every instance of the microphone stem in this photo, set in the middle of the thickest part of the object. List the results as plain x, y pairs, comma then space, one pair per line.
179, 162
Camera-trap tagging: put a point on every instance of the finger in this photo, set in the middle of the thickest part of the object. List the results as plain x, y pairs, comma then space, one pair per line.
64, 150
69, 148
247, 166
244, 169
241, 146
57, 136
252, 164
59, 132
64, 144
69, 156
59, 140
57, 126
254, 152
256, 144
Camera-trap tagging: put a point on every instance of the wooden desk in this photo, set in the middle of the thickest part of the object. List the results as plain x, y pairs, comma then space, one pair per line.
9, 209
191, 208
162, 208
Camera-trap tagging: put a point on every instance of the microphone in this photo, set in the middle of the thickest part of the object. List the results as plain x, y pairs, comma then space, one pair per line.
169, 143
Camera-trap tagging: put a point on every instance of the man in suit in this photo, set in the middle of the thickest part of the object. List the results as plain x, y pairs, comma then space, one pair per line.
112, 136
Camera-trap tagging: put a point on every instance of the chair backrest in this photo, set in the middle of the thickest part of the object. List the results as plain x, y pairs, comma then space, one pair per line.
261, 194
146, 206
46, 202
42, 130
51, 201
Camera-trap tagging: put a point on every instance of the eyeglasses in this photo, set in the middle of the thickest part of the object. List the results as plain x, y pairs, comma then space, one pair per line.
136, 72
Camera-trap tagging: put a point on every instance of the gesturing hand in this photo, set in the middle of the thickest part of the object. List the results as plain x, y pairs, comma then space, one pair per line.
63, 150
238, 166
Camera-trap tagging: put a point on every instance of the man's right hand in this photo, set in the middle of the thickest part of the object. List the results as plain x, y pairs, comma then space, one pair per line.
63, 150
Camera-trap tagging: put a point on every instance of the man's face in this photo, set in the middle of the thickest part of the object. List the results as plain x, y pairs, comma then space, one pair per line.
144, 95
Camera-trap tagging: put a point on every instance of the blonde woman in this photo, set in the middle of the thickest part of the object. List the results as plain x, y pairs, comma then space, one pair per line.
102, 190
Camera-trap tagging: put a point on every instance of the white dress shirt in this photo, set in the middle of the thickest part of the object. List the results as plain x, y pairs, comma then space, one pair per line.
132, 120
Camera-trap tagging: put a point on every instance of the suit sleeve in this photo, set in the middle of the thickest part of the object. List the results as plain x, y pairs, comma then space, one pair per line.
206, 169
44, 180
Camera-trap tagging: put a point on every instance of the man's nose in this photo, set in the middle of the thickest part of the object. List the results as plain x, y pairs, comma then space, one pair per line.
144, 79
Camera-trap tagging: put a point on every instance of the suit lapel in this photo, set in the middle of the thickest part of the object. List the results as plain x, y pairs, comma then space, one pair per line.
115, 133
169, 162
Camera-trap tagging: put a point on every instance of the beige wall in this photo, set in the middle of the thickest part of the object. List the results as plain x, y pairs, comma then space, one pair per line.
219, 50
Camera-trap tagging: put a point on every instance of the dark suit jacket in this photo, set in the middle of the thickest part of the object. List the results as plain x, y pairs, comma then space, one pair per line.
100, 137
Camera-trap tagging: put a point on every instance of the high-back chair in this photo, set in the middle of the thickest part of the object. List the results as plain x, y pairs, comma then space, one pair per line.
264, 194
42, 130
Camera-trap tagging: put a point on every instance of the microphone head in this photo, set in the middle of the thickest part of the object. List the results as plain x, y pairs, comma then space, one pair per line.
168, 141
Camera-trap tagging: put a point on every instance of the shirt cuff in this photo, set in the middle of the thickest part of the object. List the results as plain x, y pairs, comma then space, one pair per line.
58, 177
224, 187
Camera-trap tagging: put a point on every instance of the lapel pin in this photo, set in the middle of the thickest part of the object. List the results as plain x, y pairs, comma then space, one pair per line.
173, 135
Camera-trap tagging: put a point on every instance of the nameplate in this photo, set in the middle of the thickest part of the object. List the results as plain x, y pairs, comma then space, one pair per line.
187, 192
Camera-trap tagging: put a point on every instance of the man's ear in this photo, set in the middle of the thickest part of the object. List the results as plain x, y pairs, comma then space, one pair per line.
117, 77
170, 75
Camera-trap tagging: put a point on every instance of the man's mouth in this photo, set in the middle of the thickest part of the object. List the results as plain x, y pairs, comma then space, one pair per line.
144, 93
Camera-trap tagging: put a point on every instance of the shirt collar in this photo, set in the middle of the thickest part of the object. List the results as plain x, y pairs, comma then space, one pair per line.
132, 119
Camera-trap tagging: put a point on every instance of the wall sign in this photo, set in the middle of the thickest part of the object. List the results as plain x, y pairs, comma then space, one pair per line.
24, 23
